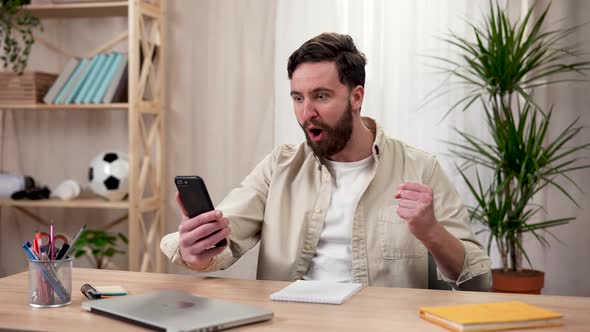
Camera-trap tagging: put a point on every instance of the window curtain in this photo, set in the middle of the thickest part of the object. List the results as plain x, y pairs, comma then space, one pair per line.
405, 90
399, 37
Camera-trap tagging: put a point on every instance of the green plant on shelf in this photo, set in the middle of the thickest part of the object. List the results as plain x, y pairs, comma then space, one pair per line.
99, 246
16, 34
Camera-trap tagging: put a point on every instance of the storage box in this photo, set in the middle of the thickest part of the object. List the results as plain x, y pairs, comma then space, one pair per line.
28, 88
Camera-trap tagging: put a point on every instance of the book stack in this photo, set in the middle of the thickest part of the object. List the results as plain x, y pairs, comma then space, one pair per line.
101, 79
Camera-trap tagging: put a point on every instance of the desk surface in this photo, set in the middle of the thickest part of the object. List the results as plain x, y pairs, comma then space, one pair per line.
372, 309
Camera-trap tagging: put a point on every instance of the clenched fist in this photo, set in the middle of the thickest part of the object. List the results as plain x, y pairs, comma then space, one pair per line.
416, 206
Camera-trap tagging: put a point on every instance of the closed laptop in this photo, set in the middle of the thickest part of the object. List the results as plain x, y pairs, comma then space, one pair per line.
173, 310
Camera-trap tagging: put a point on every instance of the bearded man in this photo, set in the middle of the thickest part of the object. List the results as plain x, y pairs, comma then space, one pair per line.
349, 205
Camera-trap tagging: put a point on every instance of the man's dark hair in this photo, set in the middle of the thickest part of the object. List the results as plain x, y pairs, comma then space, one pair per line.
332, 47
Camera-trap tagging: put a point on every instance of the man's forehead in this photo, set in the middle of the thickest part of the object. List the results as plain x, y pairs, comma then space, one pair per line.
313, 75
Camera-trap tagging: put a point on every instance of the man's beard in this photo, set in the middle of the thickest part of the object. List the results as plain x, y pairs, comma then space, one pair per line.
335, 138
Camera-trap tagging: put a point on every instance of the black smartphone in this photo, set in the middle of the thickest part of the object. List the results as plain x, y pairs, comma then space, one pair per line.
195, 198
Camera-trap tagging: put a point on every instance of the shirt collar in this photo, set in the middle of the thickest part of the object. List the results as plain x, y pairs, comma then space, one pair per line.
379, 135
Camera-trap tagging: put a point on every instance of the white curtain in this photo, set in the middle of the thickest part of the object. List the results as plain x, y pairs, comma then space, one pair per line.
398, 38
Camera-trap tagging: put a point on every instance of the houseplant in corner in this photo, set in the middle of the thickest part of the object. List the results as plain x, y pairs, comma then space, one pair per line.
501, 68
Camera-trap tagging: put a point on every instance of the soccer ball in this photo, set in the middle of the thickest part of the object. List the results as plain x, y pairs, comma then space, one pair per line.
108, 175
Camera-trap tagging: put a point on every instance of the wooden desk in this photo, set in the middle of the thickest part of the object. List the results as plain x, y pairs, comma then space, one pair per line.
372, 309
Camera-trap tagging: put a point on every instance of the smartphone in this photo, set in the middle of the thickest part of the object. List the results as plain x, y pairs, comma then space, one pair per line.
195, 198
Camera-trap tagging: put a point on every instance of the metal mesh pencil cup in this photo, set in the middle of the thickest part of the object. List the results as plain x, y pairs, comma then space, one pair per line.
50, 283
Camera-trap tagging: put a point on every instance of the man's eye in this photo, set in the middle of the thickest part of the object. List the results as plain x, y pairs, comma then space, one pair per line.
322, 96
297, 99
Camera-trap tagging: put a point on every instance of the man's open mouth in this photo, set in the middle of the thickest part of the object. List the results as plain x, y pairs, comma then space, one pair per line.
315, 134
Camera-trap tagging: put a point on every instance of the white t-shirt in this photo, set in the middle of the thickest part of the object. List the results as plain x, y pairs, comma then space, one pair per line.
333, 255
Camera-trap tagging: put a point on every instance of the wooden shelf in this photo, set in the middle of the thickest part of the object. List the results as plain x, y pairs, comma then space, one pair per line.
79, 10
147, 203
96, 203
116, 106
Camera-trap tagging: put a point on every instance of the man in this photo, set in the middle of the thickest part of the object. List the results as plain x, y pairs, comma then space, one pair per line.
351, 205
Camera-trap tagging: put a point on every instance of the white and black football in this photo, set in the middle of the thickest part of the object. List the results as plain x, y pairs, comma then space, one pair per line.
108, 175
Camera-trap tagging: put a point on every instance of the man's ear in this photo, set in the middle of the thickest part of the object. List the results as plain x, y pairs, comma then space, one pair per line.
356, 97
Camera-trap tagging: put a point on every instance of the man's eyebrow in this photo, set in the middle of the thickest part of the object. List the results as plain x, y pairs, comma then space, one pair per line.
322, 89
316, 90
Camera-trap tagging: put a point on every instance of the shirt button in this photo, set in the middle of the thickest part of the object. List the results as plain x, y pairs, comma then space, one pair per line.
318, 211
307, 247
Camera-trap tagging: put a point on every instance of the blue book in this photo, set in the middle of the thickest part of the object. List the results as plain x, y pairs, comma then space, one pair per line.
98, 78
89, 79
73, 80
83, 77
104, 82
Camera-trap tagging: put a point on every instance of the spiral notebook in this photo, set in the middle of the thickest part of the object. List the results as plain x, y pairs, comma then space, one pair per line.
316, 291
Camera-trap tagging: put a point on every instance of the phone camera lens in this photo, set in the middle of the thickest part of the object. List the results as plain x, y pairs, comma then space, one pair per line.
178, 181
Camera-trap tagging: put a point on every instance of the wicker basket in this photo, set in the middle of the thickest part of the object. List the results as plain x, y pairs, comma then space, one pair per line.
28, 88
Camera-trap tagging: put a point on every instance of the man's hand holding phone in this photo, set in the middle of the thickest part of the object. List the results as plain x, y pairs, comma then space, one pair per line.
199, 235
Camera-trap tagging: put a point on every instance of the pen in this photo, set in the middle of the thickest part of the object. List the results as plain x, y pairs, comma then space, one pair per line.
76, 237
32, 252
51, 244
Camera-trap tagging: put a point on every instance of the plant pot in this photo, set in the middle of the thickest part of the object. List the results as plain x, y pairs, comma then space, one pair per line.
525, 282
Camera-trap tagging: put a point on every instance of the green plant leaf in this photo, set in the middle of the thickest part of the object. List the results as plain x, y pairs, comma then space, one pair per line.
110, 252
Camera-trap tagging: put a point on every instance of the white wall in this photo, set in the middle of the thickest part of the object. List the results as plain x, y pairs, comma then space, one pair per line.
220, 88
565, 262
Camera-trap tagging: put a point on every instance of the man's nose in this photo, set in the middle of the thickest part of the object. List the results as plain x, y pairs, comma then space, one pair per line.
309, 111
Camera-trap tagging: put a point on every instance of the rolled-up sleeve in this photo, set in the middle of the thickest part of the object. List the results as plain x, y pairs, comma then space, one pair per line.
170, 248
453, 215
244, 208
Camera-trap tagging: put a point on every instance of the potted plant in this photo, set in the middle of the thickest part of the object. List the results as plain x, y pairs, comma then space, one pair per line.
501, 68
99, 246
16, 34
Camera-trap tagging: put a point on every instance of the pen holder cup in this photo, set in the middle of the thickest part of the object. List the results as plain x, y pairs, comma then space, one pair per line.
50, 283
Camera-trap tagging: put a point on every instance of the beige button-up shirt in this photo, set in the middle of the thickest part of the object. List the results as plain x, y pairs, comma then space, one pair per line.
283, 204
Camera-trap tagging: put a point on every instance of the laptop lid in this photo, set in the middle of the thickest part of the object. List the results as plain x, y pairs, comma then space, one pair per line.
173, 310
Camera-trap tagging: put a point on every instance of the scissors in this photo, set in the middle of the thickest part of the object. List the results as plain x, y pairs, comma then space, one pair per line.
42, 244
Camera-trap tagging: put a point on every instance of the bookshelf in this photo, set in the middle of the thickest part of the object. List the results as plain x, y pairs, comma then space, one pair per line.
146, 122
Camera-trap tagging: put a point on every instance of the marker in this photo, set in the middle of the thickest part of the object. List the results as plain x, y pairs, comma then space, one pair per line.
62, 251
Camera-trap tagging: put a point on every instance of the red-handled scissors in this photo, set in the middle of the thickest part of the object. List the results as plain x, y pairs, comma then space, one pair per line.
43, 241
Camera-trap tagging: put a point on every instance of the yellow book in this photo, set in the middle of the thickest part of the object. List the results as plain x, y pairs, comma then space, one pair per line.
491, 316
